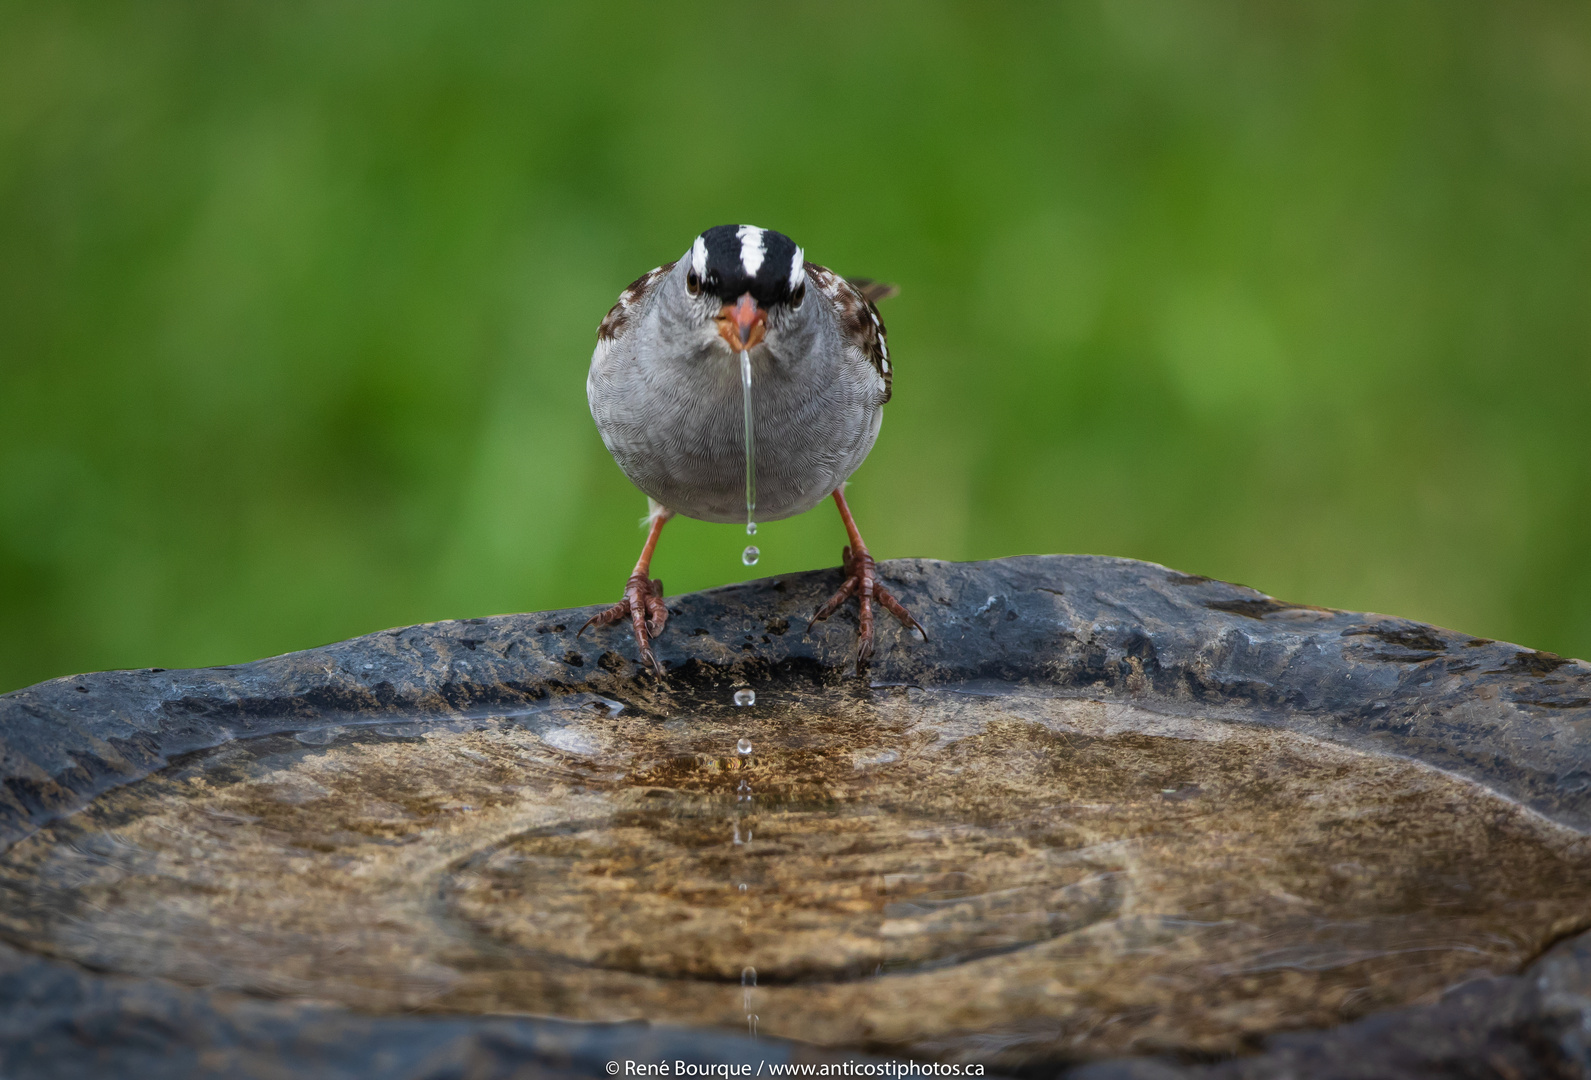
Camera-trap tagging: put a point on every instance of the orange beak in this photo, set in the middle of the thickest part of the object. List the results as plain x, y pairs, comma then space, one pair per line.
742, 323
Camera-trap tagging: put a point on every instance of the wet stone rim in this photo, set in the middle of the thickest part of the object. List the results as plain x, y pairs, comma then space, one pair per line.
1510, 718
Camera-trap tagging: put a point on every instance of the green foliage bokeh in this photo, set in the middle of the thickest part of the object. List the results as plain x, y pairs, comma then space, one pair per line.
296, 299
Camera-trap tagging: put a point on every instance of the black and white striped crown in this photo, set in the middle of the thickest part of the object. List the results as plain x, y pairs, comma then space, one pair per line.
733, 259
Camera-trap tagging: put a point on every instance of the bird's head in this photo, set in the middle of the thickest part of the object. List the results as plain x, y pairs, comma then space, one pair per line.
743, 280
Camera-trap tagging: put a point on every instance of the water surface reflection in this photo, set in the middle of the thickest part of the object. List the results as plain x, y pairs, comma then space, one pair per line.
1003, 876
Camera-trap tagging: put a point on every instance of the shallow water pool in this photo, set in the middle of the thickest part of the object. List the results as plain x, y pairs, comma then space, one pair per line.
998, 875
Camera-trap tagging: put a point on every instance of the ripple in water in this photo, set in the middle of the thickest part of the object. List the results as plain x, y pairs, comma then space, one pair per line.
585, 872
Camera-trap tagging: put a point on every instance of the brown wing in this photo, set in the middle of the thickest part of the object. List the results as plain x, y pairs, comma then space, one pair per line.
619, 314
873, 291
859, 318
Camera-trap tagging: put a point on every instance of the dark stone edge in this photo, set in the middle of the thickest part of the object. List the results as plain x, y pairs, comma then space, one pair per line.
1513, 719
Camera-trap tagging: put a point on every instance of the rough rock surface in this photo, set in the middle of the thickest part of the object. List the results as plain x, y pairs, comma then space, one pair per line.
1511, 719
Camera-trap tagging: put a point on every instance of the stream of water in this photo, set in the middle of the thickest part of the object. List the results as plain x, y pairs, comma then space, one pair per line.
751, 554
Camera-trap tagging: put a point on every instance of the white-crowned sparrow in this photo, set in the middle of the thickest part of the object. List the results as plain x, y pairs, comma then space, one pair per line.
666, 392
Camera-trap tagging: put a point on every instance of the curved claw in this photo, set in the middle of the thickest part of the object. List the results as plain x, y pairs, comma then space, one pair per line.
656, 610
606, 617
846, 591
893, 606
643, 605
861, 581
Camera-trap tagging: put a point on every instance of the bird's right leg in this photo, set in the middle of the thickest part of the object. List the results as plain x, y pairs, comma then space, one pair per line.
643, 597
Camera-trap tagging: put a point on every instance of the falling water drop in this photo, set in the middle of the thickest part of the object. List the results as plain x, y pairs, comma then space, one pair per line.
748, 976
744, 745
751, 528
750, 555
745, 697
751, 1024
742, 886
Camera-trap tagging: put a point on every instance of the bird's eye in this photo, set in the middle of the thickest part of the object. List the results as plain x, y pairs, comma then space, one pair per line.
798, 295
693, 284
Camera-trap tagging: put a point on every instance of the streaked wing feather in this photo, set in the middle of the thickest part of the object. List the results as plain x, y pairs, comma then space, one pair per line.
632, 298
874, 291
859, 319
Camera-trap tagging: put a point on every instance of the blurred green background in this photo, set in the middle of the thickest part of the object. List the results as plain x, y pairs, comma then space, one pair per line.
296, 299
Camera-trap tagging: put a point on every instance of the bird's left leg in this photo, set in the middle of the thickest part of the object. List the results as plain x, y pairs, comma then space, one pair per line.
643, 597
861, 581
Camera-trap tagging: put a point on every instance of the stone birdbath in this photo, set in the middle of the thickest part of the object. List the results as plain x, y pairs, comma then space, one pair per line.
1110, 820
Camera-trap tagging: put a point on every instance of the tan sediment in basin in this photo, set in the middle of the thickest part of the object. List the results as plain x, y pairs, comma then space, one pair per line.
973, 876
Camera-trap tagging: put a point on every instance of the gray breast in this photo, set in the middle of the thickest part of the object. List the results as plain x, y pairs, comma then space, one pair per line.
673, 420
